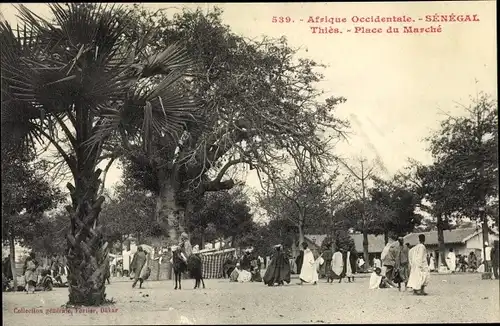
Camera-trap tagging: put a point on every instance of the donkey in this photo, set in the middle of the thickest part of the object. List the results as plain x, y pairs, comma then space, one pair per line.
195, 268
180, 267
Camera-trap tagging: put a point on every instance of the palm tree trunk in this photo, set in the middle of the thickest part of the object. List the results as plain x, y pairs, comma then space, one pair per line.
87, 253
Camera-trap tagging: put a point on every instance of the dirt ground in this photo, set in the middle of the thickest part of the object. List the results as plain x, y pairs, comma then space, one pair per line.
452, 298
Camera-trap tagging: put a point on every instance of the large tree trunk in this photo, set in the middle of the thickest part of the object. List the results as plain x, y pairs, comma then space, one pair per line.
365, 248
168, 212
386, 237
13, 260
441, 245
86, 258
301, 234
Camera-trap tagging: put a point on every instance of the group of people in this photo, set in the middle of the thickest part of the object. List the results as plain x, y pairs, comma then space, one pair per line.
245, 268
463, 263
37, 276
400, 264
338, 265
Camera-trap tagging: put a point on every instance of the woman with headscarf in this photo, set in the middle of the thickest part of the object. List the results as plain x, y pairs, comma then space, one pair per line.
327, 256
140, 267
278, 270
30, 275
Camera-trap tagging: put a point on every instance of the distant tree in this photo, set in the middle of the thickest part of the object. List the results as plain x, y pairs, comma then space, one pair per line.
466, 149
462, 181
435, 184
366, 216
369, 217
223, 214
26, 196
51, 234
299, 198
129, 211
401, 201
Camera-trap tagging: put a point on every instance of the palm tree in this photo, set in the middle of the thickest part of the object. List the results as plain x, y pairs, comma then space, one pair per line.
76, 82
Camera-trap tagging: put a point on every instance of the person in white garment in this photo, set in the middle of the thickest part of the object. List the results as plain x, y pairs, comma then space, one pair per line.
349, 266
451, 261
486, 253
126, 262
338, 265
432, 263
361, 263
308, 273
377, 280
419, 269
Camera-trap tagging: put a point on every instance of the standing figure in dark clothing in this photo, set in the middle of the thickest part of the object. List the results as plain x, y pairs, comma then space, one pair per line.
6, 274
7, 269
299, 260
246, 261
278, 270
140, 267
494, 258
327, 256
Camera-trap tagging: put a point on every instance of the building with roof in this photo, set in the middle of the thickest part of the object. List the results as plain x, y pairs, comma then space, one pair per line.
462, 240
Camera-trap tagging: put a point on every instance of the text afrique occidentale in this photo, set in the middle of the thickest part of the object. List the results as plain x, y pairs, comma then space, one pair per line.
436, 18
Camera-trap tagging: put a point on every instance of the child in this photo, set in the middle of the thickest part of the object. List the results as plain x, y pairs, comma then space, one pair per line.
377, 281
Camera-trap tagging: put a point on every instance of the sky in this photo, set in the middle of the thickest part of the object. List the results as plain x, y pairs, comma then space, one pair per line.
398, 86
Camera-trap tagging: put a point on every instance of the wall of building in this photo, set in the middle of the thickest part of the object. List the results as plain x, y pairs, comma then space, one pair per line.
476, 242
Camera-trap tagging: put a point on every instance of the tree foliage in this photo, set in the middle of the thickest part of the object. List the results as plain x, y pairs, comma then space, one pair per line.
265, 107
129, 212
299, 198
224, 214
26, 196
465, 150
400, 202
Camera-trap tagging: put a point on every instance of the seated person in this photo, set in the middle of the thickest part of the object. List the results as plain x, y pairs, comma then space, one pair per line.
228, 267
5, 283
235, 273
256, 277
377, 280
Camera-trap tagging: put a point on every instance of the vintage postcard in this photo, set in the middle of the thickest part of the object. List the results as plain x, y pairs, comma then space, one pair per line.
249, 163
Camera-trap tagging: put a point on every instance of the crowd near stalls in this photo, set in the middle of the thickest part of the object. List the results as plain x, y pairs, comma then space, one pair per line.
37, 273
398, 263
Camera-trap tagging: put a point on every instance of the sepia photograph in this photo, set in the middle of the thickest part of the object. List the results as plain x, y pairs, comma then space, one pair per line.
249, 163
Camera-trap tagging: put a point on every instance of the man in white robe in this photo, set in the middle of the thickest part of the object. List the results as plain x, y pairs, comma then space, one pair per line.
308, 272
126, 262
419, 269
338, 266
451, 261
